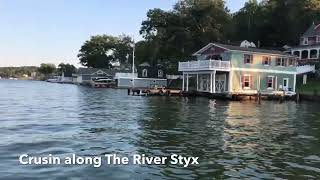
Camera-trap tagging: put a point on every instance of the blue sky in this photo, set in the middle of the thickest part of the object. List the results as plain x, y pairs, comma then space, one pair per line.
36, 31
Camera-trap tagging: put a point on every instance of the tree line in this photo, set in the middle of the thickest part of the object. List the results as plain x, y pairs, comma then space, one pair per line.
43, 72
172, 36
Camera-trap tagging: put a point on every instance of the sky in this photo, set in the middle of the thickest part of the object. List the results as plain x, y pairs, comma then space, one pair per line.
43, 31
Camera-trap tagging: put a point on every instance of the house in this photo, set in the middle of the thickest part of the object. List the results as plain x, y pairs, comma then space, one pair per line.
227, 69
85, 76
308, 50
146, 76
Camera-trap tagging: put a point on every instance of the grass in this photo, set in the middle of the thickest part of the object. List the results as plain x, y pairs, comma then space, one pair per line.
311, 88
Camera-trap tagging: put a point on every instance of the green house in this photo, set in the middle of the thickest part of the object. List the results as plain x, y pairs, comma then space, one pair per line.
221, 68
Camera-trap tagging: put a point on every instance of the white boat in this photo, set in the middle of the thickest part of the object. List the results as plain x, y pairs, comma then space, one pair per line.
102, 83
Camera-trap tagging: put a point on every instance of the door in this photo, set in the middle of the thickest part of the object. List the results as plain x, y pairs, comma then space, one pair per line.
285, 84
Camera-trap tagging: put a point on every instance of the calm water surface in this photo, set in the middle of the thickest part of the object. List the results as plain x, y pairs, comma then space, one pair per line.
232, 139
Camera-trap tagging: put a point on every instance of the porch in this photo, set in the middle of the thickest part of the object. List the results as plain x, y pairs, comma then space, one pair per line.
206, 81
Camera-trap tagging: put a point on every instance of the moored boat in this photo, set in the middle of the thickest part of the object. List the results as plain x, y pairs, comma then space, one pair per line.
103, 83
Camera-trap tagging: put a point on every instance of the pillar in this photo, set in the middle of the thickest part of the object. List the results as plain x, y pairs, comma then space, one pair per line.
211, 83
309, 54
230, 81
294, 82
214, 82
187, 88
197, 82
183, 82
300, 54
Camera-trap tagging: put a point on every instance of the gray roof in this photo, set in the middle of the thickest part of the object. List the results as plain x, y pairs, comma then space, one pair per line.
94, 70
145, 64
238, 48
312, 31
305, 47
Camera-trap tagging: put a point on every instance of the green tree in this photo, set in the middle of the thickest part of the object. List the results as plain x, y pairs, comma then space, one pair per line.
47, 69
176, 34
102, 50
66, 68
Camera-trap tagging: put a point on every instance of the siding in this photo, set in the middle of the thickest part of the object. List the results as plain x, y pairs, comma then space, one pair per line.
236, 80
237, 61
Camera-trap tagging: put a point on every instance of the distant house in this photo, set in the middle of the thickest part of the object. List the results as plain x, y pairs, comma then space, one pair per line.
222, 68
147, 76
308, 50
145, 70
86, 75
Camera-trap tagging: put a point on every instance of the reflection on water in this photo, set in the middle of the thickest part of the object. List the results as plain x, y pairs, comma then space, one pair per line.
231, 139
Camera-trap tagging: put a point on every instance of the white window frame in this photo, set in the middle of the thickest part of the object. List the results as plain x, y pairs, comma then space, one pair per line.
282, 62
248, 76
272, 83
160, 73
251, 58
269, 60
305, 41
144, 73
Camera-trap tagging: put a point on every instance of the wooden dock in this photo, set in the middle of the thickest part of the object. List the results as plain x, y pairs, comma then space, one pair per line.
281, 97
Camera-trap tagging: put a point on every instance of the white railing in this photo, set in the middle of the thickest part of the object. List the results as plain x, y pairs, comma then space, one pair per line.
204, 65
305, 69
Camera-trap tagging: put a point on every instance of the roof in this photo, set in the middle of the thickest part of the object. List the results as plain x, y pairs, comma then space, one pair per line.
144, 64
305, 46
238, 48
312, 31
94, 70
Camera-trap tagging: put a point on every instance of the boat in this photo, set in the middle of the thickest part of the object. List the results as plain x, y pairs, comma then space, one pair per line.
102, 83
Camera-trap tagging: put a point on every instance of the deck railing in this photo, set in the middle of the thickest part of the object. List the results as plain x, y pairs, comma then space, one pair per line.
305, 69
204, 65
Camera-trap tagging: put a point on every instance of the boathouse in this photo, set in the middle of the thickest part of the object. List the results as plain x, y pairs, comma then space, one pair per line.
228, 69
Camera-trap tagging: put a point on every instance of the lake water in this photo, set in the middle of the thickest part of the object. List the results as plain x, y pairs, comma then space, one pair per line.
231, 139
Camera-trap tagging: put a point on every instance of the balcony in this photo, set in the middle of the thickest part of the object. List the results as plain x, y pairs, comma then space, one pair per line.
305, 69
205, 65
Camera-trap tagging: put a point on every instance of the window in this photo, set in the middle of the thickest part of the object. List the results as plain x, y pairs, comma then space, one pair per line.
160, 73
313, 53
318, 39
266, 60
291, 62
248, 59
270, 82
305, 41
296, 53
144, 73
281, 61
247, 82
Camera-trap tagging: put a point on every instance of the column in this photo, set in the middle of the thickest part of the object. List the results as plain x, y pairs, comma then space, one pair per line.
300, 54
187, 88
230, 81
197, 82
183, 82
294, 82
309, 54
211, 83
214, 82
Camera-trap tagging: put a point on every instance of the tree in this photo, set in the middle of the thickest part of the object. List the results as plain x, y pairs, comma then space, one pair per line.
66, 68
176, 34
47, 69
102, 50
